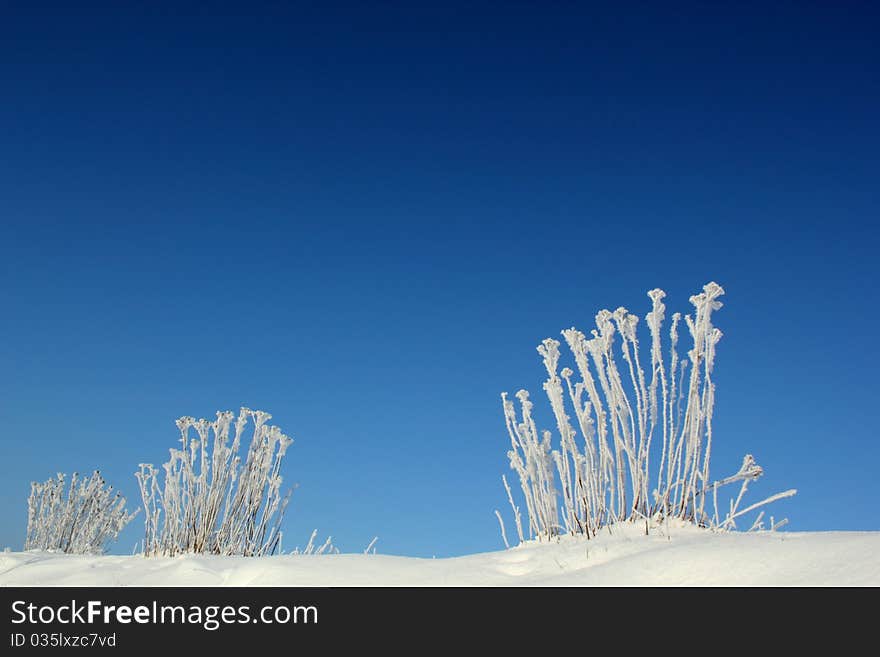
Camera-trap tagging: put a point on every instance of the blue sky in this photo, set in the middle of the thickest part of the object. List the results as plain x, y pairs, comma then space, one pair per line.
363, 220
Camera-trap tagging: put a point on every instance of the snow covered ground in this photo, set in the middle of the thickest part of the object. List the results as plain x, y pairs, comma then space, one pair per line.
689, 556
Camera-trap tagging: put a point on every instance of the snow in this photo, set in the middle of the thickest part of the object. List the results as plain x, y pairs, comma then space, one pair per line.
688, 556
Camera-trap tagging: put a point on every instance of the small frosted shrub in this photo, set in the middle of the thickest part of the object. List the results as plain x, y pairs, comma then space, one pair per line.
616, 413
207, 499
82, 518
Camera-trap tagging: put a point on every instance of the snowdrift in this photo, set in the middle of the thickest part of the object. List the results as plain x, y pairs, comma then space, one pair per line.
686, 556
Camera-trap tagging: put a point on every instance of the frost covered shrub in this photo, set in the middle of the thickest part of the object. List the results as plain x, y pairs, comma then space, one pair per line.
84, 520
621, 413
210, 500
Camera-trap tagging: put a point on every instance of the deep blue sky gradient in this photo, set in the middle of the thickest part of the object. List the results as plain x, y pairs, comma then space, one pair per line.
363, 218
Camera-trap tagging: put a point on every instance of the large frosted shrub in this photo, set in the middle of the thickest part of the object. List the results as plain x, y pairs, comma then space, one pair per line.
82, 518
206, 499
628, 408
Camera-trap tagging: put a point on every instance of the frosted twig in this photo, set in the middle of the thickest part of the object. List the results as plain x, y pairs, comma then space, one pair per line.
503, 532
